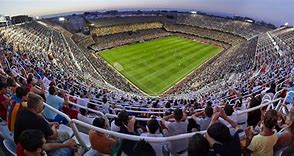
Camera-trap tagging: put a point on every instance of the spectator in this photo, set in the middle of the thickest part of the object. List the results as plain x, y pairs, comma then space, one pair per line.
219, 137
56, 102
17, 102
143, 148
203, 122
290, 97
153, 131
289, 151
99, 141
176, 147
11, 86
254, 116
4, 101
272, 89
241, 119
286, 135
198, 145
32, 83
192, 126
31, 118
83, 116
263, 143
71, 111
122, 117
83, 100
229, 111
31, 143
127, 126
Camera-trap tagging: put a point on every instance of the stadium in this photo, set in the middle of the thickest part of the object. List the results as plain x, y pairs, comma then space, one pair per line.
146, 83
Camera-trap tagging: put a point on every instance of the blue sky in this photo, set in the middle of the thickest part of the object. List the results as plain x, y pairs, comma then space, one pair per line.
275, 11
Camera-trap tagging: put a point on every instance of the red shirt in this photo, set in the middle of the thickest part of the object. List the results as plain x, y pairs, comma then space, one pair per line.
72, 113
19, 150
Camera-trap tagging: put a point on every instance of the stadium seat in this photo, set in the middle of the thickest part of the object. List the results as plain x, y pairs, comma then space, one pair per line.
92, 152
4, 132
64, 128
2, 122
10, 146
85, 138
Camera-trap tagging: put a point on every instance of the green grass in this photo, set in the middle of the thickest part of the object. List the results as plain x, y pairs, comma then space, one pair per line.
155, 66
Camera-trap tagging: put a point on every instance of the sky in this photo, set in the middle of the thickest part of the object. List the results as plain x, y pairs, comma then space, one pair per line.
275, 11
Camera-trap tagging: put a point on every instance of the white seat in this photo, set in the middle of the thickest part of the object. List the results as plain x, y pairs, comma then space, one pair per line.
92, 152
4, 131
3, 123
64, 128
10, 146
84, 138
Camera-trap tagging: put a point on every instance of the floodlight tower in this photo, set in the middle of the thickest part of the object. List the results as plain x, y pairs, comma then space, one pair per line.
61, 19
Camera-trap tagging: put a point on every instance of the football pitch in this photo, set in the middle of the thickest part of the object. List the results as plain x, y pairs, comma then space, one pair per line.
155, 66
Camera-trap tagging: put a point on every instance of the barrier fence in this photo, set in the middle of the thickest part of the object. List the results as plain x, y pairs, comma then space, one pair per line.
73, 124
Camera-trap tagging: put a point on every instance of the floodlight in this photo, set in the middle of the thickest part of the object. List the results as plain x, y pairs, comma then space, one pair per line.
61, 19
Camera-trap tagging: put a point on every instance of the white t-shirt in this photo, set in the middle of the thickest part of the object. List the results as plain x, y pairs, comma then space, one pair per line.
114, 127
46, 82
203, 122
156, 146
175, 128
85, 119
83, 102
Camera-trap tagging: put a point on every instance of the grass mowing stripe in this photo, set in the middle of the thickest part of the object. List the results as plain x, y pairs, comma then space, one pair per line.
153, 60
156, 65
170, 68
136, 47
125, 53
168, 64
201, 61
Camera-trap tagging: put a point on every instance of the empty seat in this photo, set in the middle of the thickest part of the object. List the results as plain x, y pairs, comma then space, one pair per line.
84, 138
92, 152
64, 128
4, 132
10, 146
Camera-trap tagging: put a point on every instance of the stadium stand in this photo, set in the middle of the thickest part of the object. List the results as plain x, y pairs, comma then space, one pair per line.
100, 31
241, 28
110, 21
245, 94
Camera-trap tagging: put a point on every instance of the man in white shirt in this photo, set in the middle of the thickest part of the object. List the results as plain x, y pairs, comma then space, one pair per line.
153, 131
83, 100
203, 122
83, 116
177, 147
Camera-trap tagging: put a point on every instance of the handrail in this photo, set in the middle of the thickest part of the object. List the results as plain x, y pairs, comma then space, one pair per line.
135, 137
73, 126
149, 108
158, 139
137, 111
56, 111
92, 110
259, 106
107, 115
